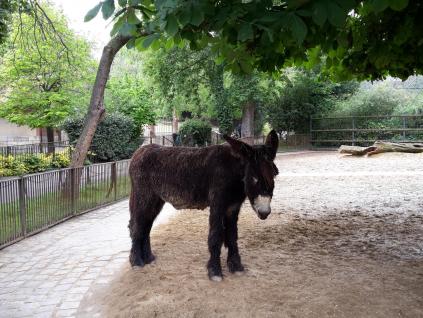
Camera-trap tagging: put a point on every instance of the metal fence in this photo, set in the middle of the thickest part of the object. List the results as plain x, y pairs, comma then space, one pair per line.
365, 130
32, 203
45, 149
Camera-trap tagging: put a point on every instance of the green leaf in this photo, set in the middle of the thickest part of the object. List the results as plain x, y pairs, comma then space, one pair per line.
149, 39
336, 15
379, 5
169, 44
398, 5
122, 3
245, 32
92, 13
298, 28
132, 17
128, 29
319, 13
271, 16
185, 16
171, 25
118, 24
108, 8
197, 16
130, 44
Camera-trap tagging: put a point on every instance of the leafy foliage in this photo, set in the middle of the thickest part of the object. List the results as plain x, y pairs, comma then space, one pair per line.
43, 82
195, 132
116, 138
272, 34
299, 96
127, 90
20, 165
381, 100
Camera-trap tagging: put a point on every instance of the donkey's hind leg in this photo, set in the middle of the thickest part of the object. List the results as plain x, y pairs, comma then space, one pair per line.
143, 213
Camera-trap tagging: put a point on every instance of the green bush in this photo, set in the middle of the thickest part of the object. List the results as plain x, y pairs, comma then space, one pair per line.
116, 138
60, 160
34, 163
10, 166
380, 100
25, 163
195, 132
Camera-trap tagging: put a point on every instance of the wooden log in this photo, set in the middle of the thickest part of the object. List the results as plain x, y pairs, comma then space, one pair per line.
380, 147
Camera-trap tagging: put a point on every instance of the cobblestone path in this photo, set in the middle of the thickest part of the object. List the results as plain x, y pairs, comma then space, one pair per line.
48, 274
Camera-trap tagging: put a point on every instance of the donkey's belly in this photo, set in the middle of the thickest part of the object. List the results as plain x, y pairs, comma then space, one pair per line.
180, 202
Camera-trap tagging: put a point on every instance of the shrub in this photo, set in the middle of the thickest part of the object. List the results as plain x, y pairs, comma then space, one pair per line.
195, 132
379, 100
60, 160
116, 137
10, 166
36, 163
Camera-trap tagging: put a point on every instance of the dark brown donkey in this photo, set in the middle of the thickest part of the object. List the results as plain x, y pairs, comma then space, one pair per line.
220, 177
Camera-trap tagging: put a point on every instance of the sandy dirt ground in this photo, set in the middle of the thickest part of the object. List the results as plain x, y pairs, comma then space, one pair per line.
345, 239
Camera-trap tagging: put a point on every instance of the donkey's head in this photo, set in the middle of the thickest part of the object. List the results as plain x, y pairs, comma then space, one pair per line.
260, 171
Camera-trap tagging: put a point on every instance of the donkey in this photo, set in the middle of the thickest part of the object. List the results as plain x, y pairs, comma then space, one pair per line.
219, 177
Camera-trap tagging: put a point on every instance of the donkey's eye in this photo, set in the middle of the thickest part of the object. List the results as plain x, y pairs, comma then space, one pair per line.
255, 180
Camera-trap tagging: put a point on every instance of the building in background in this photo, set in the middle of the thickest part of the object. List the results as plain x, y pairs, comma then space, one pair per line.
12, 134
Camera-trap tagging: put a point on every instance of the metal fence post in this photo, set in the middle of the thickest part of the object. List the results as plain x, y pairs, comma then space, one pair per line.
114, 179
22, 205
72, 190
404, 125
163, 140
311, 132
353, 131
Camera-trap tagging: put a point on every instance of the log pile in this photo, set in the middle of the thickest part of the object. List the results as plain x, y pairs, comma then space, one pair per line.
380, 147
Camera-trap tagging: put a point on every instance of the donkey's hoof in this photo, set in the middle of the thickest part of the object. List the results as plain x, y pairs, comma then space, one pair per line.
235, 267
136, 261
215, 274
151, 258
216, 278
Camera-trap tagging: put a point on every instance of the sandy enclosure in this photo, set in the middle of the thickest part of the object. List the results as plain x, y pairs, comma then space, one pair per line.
345, 239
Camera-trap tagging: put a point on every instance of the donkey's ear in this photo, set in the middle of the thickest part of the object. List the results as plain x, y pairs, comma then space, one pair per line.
272, 141
240, 147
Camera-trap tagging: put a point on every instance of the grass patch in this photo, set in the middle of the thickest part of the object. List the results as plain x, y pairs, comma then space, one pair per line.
54, 205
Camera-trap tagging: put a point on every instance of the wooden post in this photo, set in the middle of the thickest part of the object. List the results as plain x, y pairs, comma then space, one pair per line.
22, 205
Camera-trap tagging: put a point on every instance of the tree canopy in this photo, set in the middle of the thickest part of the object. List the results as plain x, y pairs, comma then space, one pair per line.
43, 82
367, 39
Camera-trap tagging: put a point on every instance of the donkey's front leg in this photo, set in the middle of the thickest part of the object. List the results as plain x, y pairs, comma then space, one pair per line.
231, 238
215, 241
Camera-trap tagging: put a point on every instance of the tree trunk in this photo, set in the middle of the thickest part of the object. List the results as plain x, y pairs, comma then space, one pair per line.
174, 122
380, 147
50, 139
96, 109
247, 124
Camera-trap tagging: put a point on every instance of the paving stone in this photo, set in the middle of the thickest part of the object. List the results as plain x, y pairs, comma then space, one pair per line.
48, 274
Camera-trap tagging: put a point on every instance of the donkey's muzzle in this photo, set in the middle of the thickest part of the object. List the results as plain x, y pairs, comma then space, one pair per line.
262, 206
263, 215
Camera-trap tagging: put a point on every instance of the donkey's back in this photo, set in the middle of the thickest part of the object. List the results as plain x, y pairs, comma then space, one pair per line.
183, 176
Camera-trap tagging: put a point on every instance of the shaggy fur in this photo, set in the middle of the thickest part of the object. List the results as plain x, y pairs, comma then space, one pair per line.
220, 177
